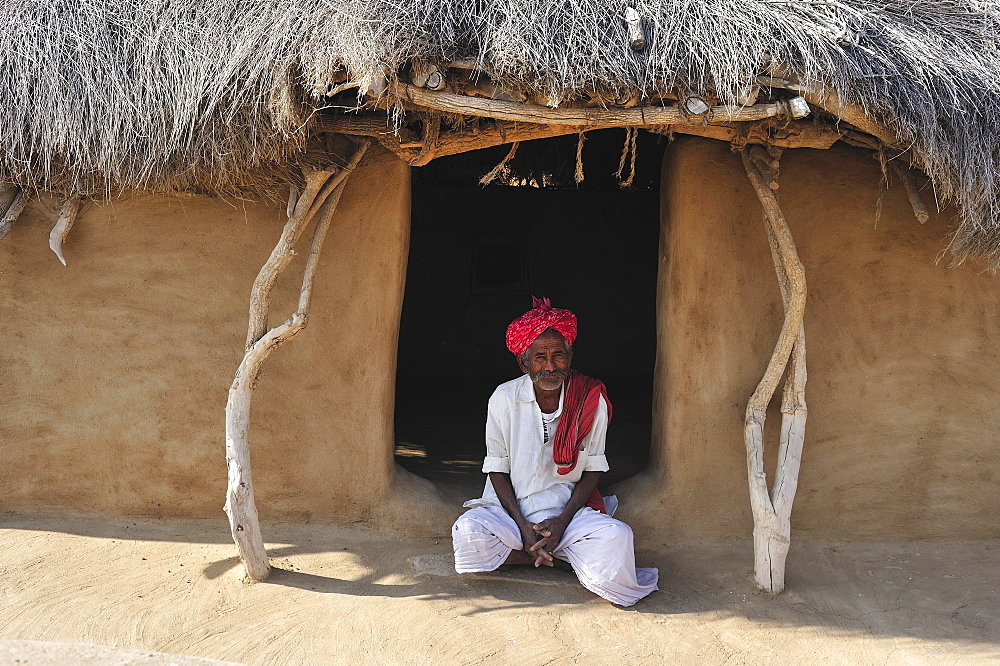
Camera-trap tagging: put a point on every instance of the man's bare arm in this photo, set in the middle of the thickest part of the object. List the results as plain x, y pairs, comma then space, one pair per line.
551, 529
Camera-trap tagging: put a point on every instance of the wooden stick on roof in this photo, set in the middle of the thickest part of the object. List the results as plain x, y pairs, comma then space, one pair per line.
60, 231
15, 199
912, 191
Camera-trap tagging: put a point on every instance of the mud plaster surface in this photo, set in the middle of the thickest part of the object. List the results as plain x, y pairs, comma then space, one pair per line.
346, 596
903, 367
116, 367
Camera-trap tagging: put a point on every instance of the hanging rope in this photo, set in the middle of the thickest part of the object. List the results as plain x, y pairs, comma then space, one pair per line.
498, 169
578, 176
628, 150
883, 183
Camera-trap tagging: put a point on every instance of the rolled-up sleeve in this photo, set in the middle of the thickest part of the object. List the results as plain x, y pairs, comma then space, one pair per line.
497, 436
596, 460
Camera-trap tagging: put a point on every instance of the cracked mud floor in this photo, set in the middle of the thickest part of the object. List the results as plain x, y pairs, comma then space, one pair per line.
340, 596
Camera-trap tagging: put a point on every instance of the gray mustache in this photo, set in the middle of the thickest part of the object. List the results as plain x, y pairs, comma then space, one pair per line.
545, 374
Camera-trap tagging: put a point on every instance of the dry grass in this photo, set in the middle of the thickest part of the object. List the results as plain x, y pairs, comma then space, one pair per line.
104, 95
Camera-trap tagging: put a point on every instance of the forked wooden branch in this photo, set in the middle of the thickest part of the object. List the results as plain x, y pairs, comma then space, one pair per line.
303, 205
793, 428
319, 235
320, 198
18, 199
67, 217
281, 255
793, 415
772, 511
240, 506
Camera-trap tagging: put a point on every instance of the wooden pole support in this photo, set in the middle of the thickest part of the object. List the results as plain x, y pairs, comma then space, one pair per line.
319, 198
303, 205
502, 132
772, 510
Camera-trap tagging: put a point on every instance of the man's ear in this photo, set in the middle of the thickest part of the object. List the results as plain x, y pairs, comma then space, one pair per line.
521, 363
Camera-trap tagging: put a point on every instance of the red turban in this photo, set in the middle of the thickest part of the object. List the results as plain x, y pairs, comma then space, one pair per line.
525, 329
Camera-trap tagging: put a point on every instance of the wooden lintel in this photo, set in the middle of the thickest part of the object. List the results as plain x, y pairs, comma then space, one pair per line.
448, 143
583, 118
796, 135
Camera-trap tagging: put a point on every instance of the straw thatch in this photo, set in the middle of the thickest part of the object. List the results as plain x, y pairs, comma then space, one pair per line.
101, 95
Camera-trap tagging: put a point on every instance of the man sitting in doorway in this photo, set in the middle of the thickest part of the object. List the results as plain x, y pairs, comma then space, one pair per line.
545, 436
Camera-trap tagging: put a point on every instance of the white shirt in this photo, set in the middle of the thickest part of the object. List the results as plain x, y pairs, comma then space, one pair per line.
514, 444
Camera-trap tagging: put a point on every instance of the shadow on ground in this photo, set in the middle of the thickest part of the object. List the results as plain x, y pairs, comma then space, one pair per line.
939, 592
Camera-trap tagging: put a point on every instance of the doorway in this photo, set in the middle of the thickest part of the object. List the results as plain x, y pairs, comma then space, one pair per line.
478, 254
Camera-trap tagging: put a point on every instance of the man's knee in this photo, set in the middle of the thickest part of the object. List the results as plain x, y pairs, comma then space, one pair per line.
599, 532
617, 531
464, 526
484, 526
467, 525
468, 528
476, 546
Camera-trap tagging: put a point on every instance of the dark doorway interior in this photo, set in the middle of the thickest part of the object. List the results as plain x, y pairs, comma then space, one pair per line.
477, 254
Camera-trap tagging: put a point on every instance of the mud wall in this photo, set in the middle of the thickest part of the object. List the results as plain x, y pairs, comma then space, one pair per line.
116, 368
903, 367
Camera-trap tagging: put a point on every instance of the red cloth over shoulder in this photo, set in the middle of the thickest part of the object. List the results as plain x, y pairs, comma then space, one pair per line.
582, 398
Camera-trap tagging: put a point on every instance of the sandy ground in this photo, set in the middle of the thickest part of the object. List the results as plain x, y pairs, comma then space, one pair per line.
343, 596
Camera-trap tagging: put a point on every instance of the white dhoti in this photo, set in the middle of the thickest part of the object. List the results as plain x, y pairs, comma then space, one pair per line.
597, 546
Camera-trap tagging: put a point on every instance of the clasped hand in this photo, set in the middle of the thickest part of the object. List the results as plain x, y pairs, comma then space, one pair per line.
546, 536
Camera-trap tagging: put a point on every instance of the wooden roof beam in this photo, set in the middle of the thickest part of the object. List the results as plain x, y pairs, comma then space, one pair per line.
590, 118
406, 146
831, 101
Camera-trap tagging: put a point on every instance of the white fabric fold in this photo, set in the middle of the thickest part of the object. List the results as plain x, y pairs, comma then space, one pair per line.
598, 547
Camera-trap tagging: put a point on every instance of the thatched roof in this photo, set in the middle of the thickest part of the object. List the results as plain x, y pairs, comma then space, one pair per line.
223, 94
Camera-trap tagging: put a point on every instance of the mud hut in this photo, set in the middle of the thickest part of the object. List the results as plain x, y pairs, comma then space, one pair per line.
198, 145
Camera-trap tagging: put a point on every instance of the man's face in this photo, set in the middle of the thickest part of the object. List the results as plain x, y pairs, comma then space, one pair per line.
547, 360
